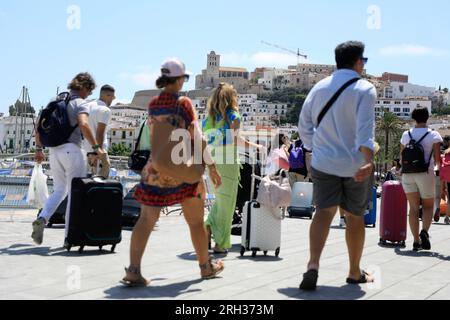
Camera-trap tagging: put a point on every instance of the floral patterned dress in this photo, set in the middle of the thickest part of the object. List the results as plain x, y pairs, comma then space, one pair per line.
155, 189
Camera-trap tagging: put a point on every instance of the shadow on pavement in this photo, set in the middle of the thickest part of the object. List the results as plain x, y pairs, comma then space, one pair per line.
420, 254
168, 291
337, 228
27, 249
347, 292
189, 256
261, 258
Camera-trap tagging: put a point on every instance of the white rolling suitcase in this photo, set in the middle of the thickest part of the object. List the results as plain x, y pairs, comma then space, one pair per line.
261, 228
302, 201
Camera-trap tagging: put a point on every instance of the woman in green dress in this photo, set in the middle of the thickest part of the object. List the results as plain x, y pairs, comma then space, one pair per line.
222, 130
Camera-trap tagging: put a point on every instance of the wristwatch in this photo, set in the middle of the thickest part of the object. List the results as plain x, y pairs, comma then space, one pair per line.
96, 147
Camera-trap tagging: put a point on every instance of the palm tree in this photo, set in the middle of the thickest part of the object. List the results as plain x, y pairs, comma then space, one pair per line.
389, 128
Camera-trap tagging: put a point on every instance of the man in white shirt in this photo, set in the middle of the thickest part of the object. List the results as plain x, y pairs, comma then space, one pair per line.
100, 116
342, 164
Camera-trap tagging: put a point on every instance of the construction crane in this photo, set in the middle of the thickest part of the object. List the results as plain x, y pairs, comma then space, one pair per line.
298, 54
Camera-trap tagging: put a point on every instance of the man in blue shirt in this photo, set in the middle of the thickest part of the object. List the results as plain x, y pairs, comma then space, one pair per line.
342, 142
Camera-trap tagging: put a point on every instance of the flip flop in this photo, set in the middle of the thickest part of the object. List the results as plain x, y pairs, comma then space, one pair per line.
310, 280
224, 252
362, 280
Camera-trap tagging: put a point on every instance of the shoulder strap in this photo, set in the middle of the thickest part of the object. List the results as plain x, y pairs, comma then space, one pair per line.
410, 136
334, 99
138, 142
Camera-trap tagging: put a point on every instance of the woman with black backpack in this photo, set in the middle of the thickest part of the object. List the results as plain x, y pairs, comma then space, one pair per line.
420, 150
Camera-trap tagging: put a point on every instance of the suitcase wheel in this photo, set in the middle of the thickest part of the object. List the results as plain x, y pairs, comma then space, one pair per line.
265, 253
100, 248
403, 244
68, 248
242, 251
254, 253
383, 242
81, 250
49, 225
277, 253
113, 248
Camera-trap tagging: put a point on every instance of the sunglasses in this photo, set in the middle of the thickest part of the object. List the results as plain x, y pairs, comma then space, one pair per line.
186, 78
365, 60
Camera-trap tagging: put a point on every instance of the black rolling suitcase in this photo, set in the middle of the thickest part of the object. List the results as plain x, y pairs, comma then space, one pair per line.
245, 192
95, 213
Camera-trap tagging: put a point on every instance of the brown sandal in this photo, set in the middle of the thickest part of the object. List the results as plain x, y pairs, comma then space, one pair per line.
216, 267
139, 283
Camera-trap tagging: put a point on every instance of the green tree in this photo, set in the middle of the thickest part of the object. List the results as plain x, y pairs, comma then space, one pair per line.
119, 150
295, 136
295, 98
389, 129
21, 107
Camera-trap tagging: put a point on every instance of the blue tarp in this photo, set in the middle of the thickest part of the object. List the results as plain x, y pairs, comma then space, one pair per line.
5, 172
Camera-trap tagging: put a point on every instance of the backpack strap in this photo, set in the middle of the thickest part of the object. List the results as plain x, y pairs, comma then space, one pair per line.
334, 99
420, 141
426, 134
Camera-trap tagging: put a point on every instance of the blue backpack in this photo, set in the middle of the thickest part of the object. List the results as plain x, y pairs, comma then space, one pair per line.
297, 158
54, 125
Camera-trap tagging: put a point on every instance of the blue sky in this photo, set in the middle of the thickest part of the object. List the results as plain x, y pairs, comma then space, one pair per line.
124, 42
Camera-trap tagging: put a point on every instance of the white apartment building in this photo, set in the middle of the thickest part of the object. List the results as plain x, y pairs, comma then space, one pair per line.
125, 113
403, 108
9, 140
402, 90
126, 136
273, 109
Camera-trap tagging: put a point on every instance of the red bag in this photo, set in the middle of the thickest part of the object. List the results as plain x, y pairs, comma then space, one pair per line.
444, 172
394, 215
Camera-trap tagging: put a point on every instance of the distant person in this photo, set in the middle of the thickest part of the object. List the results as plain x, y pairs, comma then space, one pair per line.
396, 170
298, 171
445, 182
421, 150
157, 191
278, 158
68, 161
342, 140
222, 129
99, 119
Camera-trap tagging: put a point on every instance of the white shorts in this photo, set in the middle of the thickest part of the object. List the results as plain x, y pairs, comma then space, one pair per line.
423, 183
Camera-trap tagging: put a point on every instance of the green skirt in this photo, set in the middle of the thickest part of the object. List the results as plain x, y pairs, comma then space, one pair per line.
220, 218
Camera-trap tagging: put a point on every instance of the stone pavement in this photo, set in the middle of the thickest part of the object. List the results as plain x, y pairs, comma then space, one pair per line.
48, 272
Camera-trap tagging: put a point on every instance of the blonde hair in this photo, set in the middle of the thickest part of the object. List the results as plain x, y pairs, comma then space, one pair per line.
222, 99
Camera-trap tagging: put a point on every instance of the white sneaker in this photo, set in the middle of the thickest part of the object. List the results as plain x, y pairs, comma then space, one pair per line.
447, 221
343, 223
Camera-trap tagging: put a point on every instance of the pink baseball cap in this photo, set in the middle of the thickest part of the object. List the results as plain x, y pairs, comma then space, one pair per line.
174, 68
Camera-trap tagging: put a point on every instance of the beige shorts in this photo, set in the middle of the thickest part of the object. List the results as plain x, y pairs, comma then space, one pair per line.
423, 183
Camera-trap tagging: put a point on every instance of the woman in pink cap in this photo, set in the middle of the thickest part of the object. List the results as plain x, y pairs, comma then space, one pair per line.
157, 191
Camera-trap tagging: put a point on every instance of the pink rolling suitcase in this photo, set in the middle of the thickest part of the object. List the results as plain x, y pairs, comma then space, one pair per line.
394, 215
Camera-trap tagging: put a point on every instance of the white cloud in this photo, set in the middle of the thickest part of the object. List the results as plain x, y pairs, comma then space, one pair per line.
143, 79
412, 50
260, 59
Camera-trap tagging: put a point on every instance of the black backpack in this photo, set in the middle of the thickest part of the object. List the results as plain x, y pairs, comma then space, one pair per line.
413, 156
54, 125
